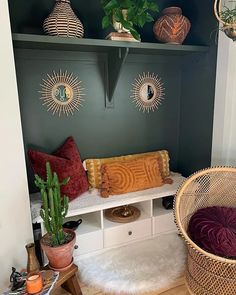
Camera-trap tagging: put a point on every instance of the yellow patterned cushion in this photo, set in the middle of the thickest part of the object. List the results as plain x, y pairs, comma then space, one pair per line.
93, 166
130, 176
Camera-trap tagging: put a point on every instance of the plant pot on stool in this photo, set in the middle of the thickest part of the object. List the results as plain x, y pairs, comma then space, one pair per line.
58, 243
172, 27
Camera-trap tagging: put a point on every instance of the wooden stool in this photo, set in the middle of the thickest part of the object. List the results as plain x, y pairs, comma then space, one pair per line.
68, 281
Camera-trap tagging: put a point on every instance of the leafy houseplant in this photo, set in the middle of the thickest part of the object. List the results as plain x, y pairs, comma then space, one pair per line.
227, 17
57, 243
137, 13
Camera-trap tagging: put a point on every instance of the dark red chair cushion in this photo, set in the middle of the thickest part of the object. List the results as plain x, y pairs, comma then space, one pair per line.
66, 162
214, 230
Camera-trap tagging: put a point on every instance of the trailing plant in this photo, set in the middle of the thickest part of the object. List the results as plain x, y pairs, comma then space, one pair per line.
228, 15
138, 13
54, 207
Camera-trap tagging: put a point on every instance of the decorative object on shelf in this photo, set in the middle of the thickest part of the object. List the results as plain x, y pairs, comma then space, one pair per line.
58, 243
122, 214
73, 224
123, 36
34, 283
167, 202
17, 280
63, 21
148, 92
61, 93
172, 27
126, 16
227, 18
32, 260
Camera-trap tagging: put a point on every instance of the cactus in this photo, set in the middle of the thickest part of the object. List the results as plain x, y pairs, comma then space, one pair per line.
54, 207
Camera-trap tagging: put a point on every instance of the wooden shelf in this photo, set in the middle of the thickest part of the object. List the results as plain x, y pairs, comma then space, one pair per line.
30, 41
117, 52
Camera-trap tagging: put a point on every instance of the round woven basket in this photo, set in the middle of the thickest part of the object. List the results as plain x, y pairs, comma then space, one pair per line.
206, 274
63, 21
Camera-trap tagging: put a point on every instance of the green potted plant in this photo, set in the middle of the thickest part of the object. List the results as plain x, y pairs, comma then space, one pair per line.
130, 14
227, 17
58, 243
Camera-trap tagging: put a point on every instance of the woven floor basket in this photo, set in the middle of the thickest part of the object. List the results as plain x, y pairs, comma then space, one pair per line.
206, 274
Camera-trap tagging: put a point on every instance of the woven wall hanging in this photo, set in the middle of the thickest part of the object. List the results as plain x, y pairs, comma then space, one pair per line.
147, 92
61, 93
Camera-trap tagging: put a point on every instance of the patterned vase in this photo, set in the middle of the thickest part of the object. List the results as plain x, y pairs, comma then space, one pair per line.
172, 27
63, 21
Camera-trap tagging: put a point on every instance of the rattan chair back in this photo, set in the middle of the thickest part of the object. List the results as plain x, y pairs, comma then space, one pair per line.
206, 273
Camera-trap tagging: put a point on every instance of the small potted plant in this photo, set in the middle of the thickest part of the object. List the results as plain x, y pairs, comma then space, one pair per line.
227, 17
128, 15
58, 243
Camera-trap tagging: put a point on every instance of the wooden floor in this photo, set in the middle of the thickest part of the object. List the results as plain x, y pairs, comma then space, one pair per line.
177, 288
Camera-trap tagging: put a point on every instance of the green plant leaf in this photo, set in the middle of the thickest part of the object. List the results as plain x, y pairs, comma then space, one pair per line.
105, 22
111, 5
153, 6
135, 34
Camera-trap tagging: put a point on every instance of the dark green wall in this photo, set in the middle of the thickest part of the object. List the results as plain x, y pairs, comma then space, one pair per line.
183, 124
99, 131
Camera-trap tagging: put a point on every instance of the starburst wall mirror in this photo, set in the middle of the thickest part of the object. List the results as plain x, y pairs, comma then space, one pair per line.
147, 92
61, 93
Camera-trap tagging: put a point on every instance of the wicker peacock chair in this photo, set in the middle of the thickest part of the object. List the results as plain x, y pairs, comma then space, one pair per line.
206, 274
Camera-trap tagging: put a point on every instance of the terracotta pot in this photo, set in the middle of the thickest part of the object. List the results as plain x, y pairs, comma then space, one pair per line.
60, 257
172, 27
63, 21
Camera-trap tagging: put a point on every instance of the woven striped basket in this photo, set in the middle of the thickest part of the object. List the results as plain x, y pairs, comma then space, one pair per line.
206, 274
63, 21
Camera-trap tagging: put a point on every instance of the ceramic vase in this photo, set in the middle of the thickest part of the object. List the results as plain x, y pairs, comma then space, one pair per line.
63, 21
32, 260
172, 27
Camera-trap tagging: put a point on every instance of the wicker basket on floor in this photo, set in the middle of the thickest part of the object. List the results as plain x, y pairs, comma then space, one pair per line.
206, 274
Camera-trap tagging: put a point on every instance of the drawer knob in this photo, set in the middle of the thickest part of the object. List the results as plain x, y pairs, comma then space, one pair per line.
76, 247
130, 233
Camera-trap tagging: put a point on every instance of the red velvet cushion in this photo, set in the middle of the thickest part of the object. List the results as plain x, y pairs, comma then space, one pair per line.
65, 162
214, 230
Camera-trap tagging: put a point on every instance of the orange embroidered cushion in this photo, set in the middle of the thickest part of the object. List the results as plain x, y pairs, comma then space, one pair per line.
93, 166
129, 176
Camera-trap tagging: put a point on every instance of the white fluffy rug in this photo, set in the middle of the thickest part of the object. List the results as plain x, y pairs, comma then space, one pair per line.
136, 268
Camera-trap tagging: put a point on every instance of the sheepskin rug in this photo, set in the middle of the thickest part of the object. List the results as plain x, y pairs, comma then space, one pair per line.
136, 268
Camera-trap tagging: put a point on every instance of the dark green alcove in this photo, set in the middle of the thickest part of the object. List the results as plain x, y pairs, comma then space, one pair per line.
182, 124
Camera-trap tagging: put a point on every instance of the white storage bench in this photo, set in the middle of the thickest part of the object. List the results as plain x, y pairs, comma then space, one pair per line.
97, 233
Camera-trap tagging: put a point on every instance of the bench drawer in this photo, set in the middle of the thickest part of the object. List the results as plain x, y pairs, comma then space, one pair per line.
88, 242
127, 232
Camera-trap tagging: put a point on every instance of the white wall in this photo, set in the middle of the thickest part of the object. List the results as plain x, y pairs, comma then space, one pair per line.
15, 222
224, 133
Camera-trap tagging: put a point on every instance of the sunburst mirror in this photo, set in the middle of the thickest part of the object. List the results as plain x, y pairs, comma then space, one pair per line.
147, 92
61, 93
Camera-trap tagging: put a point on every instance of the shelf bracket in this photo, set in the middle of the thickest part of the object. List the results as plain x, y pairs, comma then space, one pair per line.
116, 59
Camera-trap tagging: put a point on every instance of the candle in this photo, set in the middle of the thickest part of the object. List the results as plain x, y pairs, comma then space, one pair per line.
34, 283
